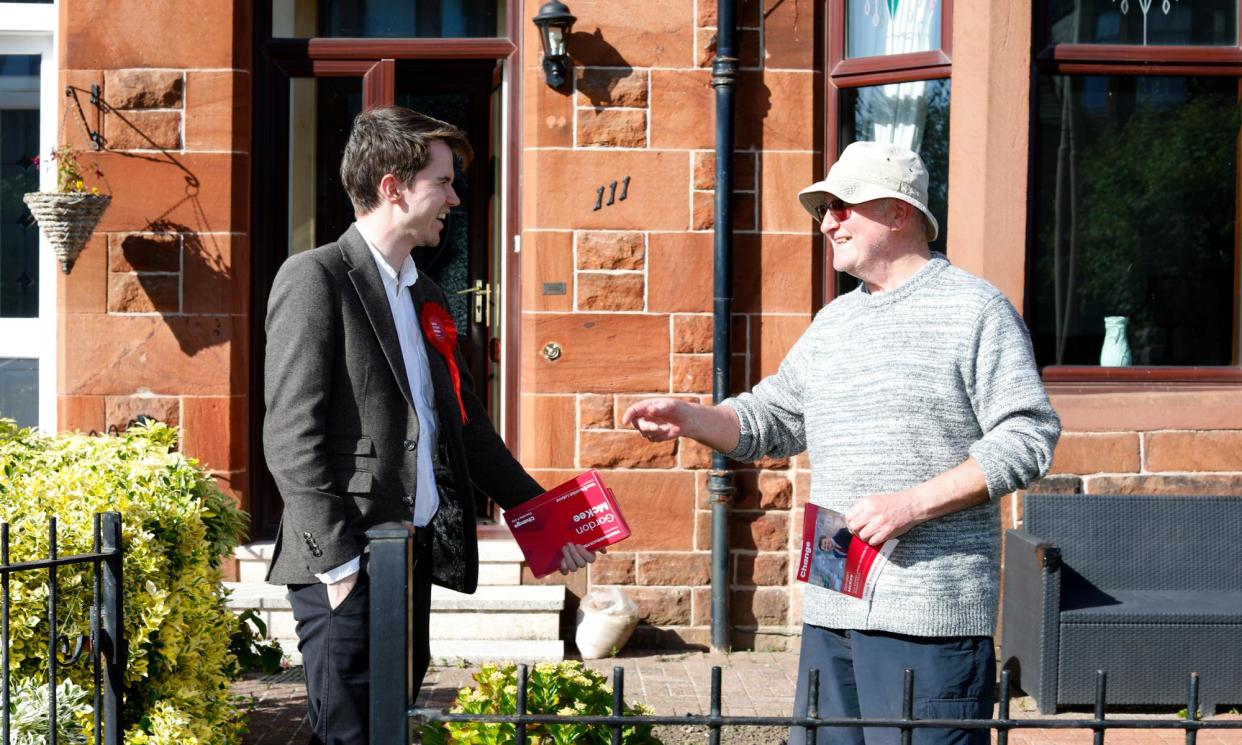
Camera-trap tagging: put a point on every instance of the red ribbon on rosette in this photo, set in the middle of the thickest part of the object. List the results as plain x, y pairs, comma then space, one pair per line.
440, 330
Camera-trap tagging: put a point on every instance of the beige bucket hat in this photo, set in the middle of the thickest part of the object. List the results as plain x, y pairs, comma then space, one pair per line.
874, 170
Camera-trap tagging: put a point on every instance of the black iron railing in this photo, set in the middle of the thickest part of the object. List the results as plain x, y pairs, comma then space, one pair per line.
393, 713
106, 645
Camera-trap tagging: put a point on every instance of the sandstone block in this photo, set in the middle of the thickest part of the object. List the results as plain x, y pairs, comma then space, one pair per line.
609, 34
1097, 453
144, 293
662, 606
1193, 451
599, 127
548, 270
765, 531
764, 606
763, 569
693, 334
612, 86
80, 414
789, 34
608, 250
217, 105
217, 273
123, 411
694, 455
692, 373
569, 184
595, 412
613, 569
703, 211
217, 431
744, 169
643, 367
674, 569
143, 130
548, 431
143, 89
748, 43
597, 291
144, 252
624, 449
547, 114
1207, 484
775, 491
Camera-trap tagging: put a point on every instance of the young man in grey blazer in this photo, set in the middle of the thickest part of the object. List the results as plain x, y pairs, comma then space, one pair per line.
371, 416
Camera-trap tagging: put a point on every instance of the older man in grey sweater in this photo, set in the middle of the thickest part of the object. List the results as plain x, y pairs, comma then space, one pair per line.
918, 402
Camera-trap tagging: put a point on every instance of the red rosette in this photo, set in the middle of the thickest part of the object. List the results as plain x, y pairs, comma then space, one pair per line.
440, 330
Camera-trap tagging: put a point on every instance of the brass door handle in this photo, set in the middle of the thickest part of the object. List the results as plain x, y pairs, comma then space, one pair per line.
482, 301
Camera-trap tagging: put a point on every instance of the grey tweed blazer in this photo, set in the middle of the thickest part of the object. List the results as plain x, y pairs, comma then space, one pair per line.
340, 432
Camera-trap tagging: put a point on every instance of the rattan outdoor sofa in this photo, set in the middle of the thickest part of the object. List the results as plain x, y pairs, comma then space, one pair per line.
1146, 588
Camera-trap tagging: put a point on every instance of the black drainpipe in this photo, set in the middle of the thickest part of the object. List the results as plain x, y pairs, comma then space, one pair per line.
720, 483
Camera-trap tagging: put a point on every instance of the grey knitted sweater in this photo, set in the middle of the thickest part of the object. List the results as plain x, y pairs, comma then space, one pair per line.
885, 391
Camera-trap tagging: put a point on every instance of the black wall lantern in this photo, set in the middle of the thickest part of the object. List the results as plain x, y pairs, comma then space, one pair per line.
554, 21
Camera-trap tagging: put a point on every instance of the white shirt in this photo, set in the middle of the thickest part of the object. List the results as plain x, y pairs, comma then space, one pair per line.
417, 372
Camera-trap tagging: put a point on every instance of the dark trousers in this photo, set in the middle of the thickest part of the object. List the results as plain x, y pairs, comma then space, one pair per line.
861, 674
336, 655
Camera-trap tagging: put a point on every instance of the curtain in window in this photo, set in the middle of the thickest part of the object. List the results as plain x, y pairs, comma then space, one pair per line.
899, 110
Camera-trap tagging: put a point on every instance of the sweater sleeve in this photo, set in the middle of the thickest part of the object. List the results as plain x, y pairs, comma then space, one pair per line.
1020, 427
771, 414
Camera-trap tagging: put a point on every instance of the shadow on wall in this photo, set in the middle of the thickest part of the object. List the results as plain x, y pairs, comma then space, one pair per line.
168, 255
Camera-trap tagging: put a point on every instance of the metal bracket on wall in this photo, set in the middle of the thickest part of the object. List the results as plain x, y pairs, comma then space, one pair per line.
72, 92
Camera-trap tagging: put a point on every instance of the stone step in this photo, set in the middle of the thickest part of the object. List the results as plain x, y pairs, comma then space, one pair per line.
525, 613
500, 561
456, 651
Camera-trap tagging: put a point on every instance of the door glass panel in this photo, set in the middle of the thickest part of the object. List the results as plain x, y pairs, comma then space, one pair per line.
408, 18
1136, 218
19, 146
19, 391
1145, 22
321, 112
875, 28
915, 115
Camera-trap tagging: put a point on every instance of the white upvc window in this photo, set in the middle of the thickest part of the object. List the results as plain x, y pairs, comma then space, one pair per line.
30, 103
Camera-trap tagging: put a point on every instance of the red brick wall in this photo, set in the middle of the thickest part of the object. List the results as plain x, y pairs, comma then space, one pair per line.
153, 319
635, 319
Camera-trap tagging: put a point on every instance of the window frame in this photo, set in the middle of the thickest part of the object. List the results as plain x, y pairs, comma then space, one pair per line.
1127, 60
30, 29
859, 72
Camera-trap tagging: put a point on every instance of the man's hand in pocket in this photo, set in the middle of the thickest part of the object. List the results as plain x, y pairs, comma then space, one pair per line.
338, 591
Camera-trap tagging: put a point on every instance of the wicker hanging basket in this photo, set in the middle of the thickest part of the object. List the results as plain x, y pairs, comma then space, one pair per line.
67, 219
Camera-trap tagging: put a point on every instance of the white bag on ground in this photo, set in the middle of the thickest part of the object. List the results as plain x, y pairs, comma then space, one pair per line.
606, 618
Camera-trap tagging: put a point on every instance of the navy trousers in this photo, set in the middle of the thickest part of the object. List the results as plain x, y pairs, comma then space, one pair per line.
861, 674
336, 655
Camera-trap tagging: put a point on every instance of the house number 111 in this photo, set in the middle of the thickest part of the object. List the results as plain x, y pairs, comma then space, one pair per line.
612, 194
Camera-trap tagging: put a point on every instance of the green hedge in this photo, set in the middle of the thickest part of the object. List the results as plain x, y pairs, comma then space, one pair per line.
175, 525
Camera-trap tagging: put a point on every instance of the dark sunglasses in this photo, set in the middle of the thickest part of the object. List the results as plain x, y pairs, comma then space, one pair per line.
839, 208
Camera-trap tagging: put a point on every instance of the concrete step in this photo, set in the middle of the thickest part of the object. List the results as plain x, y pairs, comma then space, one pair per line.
451, 651
500, 561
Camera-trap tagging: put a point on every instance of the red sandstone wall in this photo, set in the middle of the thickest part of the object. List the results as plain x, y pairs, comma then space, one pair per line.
153, 319
635, 319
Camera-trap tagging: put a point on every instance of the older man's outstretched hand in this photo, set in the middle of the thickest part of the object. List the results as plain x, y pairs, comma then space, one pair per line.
659, 419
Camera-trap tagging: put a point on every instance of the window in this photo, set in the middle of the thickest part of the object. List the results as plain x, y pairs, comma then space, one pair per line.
27, 268
1135, 263
889, 65
390, 18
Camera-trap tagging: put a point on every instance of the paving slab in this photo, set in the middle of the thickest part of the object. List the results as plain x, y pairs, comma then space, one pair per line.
752, 684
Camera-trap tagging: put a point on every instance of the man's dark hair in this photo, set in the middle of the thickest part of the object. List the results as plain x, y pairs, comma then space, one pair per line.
396, 140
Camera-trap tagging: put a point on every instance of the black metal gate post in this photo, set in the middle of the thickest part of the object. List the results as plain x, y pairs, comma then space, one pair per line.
390, 569
113, 648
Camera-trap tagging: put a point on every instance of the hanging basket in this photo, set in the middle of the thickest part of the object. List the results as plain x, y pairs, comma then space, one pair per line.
67, 219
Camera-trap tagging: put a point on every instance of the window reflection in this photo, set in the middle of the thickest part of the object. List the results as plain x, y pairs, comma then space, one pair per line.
19, 391
883, 27
915, 115
1137, 218
19, 146
408, 18
1145, 22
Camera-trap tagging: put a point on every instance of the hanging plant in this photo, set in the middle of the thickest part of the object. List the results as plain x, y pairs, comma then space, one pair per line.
67, 216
